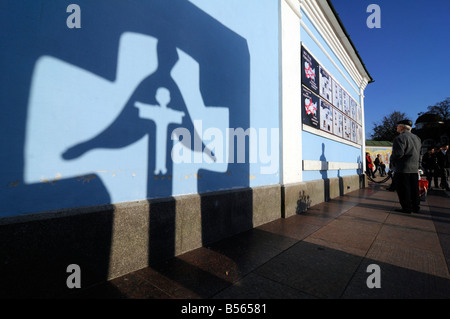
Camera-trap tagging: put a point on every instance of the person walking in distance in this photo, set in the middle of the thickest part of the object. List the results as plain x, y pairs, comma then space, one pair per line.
369, 166
407, 161
392, 175
443, 161
429, 165
377, 163
382, 168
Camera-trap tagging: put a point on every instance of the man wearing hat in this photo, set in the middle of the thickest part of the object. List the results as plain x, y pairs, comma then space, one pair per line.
406, 161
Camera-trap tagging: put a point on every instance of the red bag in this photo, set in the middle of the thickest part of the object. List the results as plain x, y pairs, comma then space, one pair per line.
423, 189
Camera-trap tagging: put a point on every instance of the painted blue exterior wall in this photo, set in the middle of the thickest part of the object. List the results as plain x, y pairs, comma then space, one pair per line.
319, 148
81, 108
322, 149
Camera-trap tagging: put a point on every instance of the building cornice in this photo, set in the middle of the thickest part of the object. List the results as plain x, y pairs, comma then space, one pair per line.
324, 19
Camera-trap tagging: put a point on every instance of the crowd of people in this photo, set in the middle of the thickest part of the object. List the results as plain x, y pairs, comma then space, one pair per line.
378, 164
405, 164
436, 166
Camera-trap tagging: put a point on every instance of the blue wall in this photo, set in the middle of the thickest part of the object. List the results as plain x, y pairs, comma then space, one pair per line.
319, 148
81, 116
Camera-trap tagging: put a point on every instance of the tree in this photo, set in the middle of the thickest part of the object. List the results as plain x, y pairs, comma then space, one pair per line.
387, 129
441, 108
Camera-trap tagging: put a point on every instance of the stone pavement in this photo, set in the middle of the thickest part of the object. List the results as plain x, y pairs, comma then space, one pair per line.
323, 253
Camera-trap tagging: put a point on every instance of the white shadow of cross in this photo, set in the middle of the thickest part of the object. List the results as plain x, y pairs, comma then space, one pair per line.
163, 116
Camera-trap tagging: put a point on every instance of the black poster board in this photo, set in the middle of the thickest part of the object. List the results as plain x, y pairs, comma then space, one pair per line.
326, 116
337, 96
326, 105
347, 128
310, 71
326, 85
338, 122
310, 108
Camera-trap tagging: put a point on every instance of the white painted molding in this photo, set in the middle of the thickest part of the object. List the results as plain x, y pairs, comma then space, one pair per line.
335, 41
295, 7
329, 32
310, 165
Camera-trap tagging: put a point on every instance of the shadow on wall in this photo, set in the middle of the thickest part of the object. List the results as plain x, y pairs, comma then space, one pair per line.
303, 203
194, 66
324, 173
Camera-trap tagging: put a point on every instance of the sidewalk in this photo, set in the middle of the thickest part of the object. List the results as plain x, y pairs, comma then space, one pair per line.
323, 253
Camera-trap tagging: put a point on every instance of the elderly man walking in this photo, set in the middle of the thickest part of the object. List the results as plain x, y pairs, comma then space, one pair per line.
406, 161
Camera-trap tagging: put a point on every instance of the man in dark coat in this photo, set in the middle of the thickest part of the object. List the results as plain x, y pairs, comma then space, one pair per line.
443, 161
406, 161
429, 164
377, 163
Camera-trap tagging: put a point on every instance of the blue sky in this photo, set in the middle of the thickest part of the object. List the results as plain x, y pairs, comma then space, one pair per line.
408, 57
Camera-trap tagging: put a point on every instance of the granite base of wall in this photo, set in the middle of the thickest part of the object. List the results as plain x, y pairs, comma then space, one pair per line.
298, 197
112, 240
